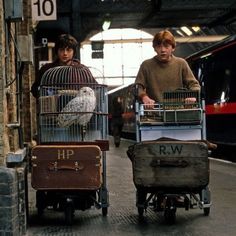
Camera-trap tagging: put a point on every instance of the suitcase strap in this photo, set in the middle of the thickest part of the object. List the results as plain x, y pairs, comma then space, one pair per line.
54, 166
169, 163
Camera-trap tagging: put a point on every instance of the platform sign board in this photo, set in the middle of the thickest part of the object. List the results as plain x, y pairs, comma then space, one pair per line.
44, 10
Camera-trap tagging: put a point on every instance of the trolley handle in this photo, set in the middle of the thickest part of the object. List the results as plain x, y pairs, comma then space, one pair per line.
157, 107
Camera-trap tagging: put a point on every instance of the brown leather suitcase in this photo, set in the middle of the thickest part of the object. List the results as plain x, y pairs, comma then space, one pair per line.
170, 164
65, 167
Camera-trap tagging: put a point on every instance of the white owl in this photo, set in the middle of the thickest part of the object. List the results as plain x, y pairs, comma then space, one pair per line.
79, 110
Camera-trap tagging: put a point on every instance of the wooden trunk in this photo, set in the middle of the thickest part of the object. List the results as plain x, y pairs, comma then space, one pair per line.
171, 164
66, 167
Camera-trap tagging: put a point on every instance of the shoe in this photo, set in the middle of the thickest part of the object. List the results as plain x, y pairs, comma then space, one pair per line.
117, 144
180, 199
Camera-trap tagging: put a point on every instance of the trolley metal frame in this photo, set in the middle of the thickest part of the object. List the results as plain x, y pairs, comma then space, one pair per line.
59, 143
151, 124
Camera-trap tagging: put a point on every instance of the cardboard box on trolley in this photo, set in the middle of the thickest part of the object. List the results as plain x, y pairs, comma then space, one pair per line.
66, 167
170, 164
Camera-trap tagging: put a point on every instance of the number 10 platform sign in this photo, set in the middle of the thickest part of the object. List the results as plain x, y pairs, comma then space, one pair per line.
44, 10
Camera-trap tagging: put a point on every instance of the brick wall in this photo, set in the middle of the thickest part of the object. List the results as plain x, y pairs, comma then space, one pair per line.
13, 200
13, 209
13, 185
2, 76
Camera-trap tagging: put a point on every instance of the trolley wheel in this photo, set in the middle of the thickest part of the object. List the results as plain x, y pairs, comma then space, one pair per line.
206, 211
69, 214
206, 197
40, 202
40, 211
104, 211
170, 215
141, 196
140, 211
140, 201
55, 206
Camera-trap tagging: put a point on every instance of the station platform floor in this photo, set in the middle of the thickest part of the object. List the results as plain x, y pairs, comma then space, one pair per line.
123, 218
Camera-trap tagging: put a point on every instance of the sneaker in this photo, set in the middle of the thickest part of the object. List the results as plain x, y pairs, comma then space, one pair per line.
180, 199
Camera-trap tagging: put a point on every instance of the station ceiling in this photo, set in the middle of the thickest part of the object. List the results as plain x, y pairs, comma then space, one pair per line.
84, 18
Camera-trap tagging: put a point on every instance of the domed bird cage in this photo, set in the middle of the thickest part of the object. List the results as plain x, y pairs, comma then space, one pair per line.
72, 106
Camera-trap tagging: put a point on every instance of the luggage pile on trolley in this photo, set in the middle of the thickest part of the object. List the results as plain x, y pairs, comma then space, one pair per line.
69, 160
170, 159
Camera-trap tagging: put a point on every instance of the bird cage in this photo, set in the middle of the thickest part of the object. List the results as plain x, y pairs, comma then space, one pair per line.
72, 106
182, 106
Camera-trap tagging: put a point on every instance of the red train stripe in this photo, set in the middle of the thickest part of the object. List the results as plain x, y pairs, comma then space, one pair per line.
221, 108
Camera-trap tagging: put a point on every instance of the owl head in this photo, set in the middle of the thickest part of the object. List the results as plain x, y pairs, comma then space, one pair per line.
86, 91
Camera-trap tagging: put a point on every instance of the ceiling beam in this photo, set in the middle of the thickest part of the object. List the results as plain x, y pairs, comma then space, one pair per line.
192, 39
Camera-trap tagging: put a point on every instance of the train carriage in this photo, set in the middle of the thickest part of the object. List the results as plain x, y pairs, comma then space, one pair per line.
69, 160
215, 69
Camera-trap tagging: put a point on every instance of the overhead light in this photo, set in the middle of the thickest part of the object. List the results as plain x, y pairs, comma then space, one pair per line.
206, 55
180, 33
196, 28
186, 30
106, 24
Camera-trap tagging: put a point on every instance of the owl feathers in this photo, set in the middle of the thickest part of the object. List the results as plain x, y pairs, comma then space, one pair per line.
79, 110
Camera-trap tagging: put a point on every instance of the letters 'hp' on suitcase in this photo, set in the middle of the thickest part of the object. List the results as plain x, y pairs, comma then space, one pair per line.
172, 164
66, 167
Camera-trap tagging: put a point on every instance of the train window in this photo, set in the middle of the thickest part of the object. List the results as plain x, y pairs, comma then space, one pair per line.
218, 72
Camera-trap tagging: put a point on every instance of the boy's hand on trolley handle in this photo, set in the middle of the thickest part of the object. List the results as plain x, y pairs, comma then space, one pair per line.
148, 102
190, 100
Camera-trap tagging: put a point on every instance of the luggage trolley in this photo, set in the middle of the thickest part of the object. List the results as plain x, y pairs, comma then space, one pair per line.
69, 160
170, 159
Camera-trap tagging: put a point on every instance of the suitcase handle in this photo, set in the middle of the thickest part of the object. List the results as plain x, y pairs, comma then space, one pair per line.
55, 167
168, 163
